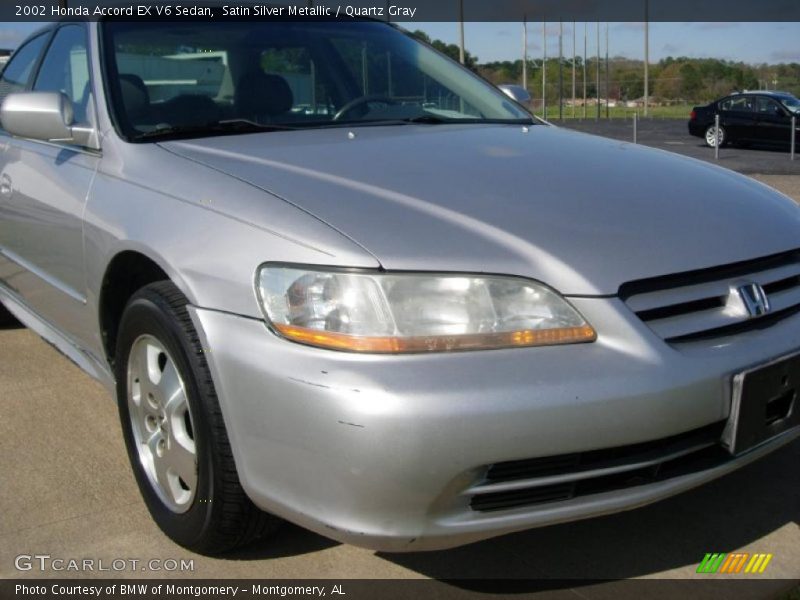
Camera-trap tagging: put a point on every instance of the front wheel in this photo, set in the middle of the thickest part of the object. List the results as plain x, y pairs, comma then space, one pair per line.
6, 318
174, 431
712, 136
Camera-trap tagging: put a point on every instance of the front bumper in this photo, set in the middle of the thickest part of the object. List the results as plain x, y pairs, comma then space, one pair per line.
381, 451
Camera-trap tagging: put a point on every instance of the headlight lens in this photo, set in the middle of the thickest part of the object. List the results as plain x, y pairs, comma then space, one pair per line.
393, 313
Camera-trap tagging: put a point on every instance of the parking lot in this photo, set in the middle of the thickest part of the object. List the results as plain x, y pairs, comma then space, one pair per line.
673, 135
68, 492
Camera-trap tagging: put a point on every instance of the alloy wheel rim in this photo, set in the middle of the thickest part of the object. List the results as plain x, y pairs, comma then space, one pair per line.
161, 422
711, 136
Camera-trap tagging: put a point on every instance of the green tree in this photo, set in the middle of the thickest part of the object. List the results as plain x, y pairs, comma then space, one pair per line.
691, 81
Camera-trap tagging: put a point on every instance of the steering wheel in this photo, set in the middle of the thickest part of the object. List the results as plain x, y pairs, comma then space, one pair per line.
361, 101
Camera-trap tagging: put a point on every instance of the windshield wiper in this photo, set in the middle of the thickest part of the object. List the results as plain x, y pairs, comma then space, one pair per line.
428, 120
422, 119
228, 126
431, 119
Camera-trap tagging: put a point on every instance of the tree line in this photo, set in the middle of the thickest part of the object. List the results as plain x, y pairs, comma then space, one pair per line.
673, 80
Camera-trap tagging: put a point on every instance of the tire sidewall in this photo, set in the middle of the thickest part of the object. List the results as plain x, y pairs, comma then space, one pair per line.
147, 316
6, 318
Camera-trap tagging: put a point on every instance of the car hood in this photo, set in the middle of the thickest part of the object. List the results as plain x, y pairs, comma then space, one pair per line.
583, 214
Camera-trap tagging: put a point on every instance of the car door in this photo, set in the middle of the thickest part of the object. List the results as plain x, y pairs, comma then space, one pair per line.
774, 123
44, 189
16, 77
737, 117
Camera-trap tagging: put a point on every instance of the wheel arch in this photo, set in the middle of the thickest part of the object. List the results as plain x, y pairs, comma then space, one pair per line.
127, 271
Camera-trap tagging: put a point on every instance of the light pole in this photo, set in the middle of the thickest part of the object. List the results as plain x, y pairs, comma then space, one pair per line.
597, 72
524, 52
544, 69
646, 57
585, 55
560, 70
461, 53
573, 69
607, 81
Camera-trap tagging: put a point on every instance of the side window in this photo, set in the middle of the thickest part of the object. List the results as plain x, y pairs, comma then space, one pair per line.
66, 69
737, 103
18, 70
767, 106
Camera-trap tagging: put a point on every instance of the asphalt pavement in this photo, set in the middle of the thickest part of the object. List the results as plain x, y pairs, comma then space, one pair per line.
673, 135
67, 491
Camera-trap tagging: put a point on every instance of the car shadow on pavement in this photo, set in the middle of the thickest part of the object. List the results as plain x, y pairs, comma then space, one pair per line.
747, 147
776, 150
294, 541
721, 516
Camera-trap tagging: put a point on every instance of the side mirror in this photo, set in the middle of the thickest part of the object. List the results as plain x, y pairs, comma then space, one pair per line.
46, 116
516, 92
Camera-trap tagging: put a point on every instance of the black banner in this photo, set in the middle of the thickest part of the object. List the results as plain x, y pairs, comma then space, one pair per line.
410, 10
349, 589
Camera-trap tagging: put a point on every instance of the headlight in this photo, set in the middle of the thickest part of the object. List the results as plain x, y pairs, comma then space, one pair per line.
376, 312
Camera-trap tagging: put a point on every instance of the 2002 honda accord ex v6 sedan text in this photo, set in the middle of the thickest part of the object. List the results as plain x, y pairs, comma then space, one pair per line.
335, 278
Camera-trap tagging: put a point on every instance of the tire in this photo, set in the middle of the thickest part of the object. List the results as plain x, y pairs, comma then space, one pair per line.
711, 140
200, 505
6, 318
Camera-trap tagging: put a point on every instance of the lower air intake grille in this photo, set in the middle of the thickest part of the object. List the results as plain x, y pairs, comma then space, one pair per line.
537, 481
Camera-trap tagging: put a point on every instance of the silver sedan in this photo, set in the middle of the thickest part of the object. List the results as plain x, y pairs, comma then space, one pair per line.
332, 277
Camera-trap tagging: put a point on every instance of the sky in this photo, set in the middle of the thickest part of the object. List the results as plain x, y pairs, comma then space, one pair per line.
748, 42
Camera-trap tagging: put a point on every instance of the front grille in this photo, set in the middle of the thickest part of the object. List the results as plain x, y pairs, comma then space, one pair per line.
706, 303
536, 481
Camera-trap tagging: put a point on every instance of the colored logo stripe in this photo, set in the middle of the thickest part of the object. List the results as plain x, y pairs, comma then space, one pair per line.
711, 563
720, 562
758, 563
734, 563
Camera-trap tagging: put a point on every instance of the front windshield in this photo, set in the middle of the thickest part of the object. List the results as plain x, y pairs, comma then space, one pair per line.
204, 79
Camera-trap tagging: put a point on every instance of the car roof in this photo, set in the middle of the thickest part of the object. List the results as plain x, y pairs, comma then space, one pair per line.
773, 93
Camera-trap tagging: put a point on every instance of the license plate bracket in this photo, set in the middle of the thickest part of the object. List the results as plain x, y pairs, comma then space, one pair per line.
766, 402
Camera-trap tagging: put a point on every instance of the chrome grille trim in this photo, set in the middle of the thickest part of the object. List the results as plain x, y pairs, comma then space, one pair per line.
688, 293
706, 303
